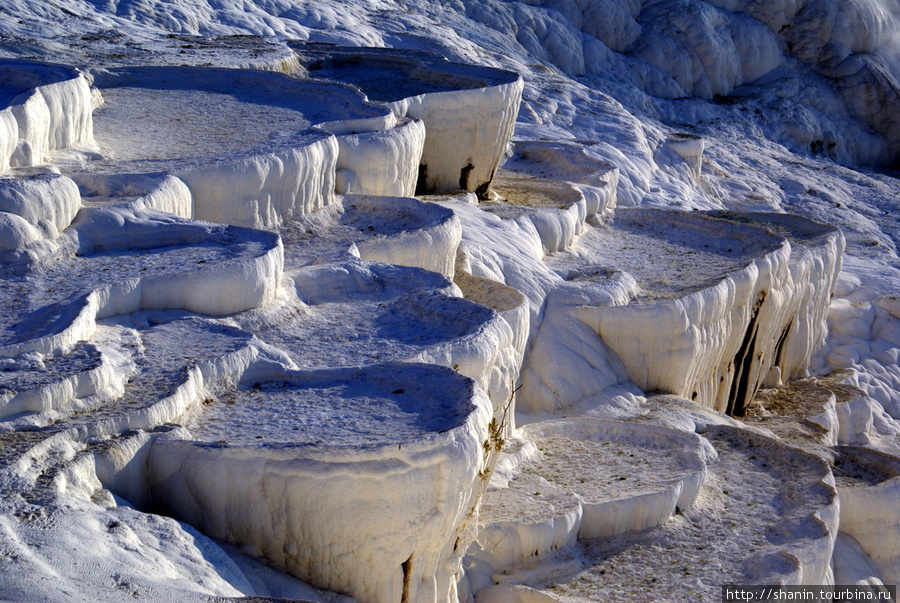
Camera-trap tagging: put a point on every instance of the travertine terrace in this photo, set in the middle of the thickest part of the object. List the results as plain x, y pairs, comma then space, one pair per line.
330, 313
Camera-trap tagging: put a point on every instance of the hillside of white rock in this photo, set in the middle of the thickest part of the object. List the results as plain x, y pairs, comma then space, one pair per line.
401, 301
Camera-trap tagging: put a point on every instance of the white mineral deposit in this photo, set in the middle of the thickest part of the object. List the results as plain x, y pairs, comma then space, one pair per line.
484, 301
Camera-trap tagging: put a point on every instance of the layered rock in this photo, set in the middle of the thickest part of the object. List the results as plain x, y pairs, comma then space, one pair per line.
759, 305
379, 504
468, 111
43, 108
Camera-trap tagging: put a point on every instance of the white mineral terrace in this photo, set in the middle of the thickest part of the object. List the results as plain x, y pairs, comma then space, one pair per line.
137, 124
464, 108
667, 261
36, 388
388, 75
149, 260
557, 210
224, 304
789, 495
294, 466
380, 406
185, 49
359, 313
175, 100
583, 479
46, 107
240, 140
398, 230
739, 307
775, 506
568, 162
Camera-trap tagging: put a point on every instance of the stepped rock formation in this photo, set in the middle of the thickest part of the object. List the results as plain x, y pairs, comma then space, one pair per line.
352, 314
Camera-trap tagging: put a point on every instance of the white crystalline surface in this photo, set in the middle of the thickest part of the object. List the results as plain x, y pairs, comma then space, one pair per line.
786, 106
79, 274
868, 484
382, 329
465, 111
47, 296
380, 83
339, 414
144, 124
81, 358
357, 220
616, 469
665, 261
581, 479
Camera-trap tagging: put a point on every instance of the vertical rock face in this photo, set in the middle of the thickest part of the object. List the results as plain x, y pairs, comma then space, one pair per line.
466, 134
469, 112
815, 263
714, 342
380, 505
713, 337
51, 106
847, 42
381, 163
